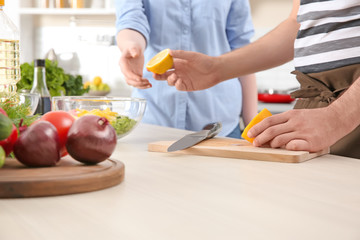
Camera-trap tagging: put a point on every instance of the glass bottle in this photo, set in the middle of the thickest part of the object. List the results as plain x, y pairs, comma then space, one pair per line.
9, 56
40, 87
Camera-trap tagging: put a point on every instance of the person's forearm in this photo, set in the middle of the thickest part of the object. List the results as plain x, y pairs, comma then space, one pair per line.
126, 36
249, 96
274, 49
347, 108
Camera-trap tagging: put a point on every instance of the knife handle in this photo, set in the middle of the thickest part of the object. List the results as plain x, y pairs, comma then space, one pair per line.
214, 128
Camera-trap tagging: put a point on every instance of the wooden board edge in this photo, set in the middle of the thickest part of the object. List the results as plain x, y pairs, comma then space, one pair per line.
269, 157
229, 153
319, 153
59, 187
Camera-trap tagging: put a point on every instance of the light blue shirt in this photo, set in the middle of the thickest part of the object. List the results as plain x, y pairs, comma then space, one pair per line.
212, 27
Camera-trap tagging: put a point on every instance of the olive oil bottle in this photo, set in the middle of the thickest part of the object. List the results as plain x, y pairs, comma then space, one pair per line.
9, 56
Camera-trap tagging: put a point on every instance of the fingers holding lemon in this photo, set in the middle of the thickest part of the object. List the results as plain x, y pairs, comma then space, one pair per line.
161, 62
258, 118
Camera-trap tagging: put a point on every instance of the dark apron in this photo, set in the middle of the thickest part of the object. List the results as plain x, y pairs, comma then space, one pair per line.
319, 90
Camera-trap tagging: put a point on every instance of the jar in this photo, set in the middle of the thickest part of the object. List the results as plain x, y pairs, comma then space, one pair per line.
77, 3
60, 3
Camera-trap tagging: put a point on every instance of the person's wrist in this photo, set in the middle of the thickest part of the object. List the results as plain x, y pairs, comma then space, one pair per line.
342, 121
218, 69
129, 45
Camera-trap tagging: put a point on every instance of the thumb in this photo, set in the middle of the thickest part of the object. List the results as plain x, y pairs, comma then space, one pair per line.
181, 54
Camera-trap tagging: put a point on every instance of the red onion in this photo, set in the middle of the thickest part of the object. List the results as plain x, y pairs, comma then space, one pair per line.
38, 145
91, 139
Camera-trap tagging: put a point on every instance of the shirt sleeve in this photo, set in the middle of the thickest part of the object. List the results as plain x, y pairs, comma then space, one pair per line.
239, 26
130, 14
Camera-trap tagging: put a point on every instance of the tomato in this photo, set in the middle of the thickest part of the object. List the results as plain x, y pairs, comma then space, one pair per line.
8, 144
62, 121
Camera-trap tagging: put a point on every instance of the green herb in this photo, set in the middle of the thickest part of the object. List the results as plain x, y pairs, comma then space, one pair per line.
123, 124
27, 75
58, 82
55, 78
17, 112
74, 86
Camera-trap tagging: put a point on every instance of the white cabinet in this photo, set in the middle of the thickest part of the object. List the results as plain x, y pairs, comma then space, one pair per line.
66, 11
83, 39
32, 21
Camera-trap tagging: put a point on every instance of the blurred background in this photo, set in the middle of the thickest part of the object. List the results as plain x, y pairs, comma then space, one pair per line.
81, 34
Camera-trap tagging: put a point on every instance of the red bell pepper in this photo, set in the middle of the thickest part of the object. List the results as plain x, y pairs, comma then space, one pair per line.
8, 143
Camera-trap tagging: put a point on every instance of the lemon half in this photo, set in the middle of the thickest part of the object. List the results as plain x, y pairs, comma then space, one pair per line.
161, 62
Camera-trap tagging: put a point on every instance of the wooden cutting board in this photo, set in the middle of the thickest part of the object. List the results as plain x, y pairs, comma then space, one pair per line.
68, 177
237, 148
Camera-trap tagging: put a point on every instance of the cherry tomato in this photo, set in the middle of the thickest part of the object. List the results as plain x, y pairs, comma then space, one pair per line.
62, 121
8, 144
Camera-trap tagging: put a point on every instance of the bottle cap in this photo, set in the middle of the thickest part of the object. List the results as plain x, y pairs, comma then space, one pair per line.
39, 62
2, 2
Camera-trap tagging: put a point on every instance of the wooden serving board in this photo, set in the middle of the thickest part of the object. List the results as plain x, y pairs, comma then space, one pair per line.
68, 177
236, 148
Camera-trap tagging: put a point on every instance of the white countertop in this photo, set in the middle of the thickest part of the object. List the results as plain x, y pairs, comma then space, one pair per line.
169, 196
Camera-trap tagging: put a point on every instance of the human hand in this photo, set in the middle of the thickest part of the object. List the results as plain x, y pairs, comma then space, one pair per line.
131, 64
301, 129
192, 71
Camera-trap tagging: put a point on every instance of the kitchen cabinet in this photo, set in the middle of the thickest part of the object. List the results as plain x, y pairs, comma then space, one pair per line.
83, 39
31, 18
66, 11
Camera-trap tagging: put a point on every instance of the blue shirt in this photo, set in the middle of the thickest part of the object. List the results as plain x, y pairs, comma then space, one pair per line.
212, 27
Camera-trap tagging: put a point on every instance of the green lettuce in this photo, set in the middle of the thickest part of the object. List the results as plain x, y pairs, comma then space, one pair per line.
58, 82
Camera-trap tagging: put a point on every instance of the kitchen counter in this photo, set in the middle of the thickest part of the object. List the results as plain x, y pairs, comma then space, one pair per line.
276, 107
169, 196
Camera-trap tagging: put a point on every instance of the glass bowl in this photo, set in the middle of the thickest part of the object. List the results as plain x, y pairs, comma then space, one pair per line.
124, 113
29, 98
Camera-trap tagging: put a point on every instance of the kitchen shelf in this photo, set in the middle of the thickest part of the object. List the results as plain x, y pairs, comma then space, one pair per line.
66, 11
31, 18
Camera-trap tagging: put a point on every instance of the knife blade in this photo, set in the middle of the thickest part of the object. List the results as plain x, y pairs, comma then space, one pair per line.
192, 139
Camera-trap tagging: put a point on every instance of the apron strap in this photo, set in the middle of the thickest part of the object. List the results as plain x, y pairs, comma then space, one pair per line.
315, 89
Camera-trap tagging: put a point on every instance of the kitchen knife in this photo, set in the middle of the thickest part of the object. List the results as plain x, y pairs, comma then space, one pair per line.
190, 140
